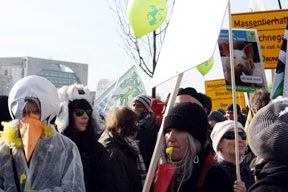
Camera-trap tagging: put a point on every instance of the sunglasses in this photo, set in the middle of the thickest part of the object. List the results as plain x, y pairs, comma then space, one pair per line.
231, 135
80, 112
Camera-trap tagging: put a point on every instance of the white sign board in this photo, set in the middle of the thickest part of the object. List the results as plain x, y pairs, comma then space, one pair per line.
191, 37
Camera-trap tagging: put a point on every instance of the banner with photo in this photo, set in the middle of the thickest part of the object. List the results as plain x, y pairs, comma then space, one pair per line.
248, 63
121, 92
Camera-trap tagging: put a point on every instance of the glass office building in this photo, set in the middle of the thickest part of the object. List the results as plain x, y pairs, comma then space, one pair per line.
59, 73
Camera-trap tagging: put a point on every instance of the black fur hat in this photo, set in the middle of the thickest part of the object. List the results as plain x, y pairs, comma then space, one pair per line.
188, 117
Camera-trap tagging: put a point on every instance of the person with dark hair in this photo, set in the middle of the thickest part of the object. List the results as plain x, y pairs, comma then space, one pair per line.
206, 102
185, 131
268, 133
223, 142
221, 111
230, 114
147, 134
33, 155
81, 123
119, 140
4, 111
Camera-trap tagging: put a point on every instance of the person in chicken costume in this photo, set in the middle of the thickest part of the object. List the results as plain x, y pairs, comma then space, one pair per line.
33, 155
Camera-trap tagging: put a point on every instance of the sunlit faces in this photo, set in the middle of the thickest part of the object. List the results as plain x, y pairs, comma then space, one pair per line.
30, 108
227, 146
139, 110
177, 139
80, 122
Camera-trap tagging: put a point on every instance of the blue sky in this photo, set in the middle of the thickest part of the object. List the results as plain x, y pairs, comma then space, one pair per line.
79, 31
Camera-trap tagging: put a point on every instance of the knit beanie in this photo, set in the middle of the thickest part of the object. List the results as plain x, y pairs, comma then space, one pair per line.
189, 117
217, 116
220, 129
144, 101
221, 111
268, 131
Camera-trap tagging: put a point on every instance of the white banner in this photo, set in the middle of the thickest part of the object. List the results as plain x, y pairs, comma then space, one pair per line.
121, 92
191, 37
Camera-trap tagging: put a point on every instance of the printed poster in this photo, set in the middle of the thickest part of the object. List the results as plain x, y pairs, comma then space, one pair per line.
248, 64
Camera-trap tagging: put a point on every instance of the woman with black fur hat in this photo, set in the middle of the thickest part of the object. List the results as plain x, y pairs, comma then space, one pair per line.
185, 130
81, 123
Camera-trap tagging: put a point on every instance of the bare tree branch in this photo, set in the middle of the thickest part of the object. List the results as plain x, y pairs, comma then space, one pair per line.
144, 51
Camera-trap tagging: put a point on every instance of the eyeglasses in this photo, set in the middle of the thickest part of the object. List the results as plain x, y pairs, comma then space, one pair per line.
231, 135
80, 112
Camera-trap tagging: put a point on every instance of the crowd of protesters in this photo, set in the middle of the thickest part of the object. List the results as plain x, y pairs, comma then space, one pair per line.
54, 140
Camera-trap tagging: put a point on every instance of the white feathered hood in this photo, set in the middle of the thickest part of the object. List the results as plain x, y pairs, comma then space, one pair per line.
70, 93
34, 87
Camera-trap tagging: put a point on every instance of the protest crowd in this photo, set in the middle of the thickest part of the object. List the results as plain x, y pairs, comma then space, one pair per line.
55, 140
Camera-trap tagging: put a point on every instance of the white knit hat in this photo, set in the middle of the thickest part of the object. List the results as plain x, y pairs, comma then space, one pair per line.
220, 129
70, 93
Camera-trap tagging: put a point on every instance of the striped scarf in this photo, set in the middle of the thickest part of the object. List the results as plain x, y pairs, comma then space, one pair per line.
140, 162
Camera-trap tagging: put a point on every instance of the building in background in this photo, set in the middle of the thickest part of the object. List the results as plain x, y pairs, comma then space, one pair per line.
59, 73
102, 85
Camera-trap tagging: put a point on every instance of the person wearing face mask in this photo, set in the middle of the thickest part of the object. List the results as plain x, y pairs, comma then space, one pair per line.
185, 131
223, 142
81, 123
33, 156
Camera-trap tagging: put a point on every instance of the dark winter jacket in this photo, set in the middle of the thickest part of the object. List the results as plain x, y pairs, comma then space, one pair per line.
96, 164
230, 169
272, 177
123, 159
215, 178
147, 136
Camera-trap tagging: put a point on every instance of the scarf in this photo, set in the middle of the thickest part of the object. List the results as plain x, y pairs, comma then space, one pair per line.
140, 162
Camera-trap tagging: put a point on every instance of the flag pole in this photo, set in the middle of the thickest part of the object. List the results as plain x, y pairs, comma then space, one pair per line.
234, 94
160, 138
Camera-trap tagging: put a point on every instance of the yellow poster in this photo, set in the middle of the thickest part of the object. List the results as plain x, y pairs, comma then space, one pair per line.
216, 90
271, 26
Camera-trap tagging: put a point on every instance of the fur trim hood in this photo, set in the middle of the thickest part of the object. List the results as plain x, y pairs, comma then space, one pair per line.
70, 93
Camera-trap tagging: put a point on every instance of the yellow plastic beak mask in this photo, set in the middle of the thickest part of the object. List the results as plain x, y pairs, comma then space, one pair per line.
31, 129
